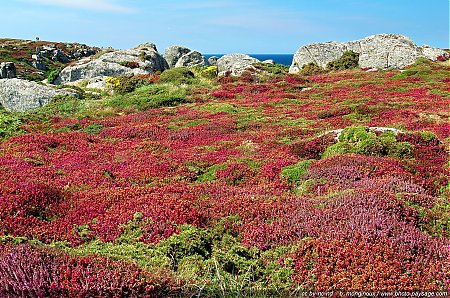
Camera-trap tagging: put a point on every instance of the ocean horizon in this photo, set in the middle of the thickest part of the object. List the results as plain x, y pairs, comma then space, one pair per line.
285, 59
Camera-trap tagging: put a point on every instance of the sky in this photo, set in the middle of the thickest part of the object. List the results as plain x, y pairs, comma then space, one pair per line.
232, 26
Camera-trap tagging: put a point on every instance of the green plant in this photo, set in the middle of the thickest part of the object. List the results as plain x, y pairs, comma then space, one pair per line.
348, 60
209, 72
311, 69
295, 173
273, 69
9, 124
210, 174
177, 75
361, 140
124, 83
59, 106
422, 68
94, 128
148, 97
52, 76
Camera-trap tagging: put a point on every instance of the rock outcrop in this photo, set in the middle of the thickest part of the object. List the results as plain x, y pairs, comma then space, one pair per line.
7, 70
192, 59
179, 56
173, 53
72, 52
141, 60
213, 60
18, 95
380, 51
235, 64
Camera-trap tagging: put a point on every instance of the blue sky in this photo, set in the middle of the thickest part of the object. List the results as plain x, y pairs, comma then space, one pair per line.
232, 26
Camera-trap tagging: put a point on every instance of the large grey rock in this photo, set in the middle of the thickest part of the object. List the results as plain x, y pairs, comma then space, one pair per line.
235, 64
142, 60
18, 95
173, 53
213, 60
380, 51
192, 59
7, 70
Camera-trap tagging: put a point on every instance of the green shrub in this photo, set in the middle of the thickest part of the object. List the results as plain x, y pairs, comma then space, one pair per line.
209, 72
348, 60
272, 68
427, 136
9, 124
361, 140
124, 83
60, 105
210, 174
52, 76
296, 172
189, 242
148, 97
311, 69
94, 128
177, 75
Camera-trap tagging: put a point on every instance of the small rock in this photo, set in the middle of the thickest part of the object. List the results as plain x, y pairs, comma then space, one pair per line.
7, 70
39, 64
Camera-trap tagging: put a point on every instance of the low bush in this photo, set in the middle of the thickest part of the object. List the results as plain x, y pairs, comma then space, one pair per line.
52, 76
124, 83
361, 140
177, 75
348, 60
209, 72
311, 69
9, 124
296, 172
422, 68
272, 68
148, 97
60, 105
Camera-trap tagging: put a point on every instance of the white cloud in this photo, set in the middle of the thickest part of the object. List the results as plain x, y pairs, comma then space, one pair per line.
96, 5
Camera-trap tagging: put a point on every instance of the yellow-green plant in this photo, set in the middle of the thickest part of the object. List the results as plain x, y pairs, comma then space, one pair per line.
112, 82
209, 72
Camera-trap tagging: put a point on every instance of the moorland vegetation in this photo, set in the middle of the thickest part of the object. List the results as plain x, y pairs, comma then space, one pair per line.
183, 183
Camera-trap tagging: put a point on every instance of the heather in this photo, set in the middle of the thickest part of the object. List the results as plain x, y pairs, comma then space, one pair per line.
231, 186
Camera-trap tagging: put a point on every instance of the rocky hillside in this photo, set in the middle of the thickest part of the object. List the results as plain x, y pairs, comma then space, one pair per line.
35, 60
97, 70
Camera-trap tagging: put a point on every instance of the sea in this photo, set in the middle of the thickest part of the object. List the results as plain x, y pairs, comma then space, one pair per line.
285, 59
